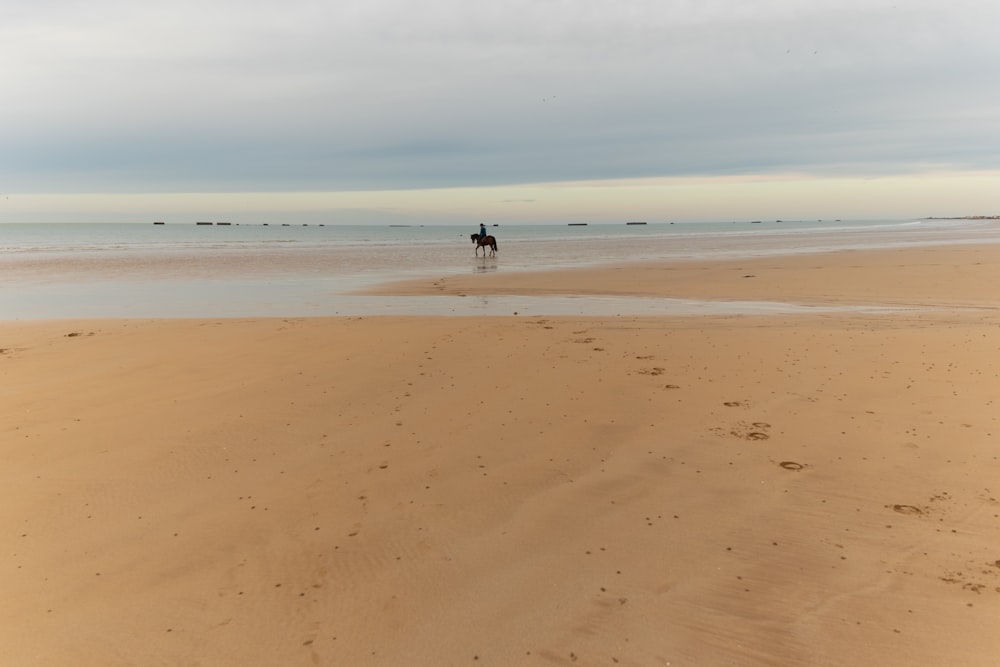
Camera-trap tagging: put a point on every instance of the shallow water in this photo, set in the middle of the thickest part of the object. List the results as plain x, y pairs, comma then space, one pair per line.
225, 299
57, 271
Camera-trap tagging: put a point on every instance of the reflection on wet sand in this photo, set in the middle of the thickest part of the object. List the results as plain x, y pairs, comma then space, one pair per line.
485, 265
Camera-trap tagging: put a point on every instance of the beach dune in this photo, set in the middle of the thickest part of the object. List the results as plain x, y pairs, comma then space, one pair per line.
817, 489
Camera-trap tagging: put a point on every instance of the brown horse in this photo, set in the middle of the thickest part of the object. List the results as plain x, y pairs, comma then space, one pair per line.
484, 242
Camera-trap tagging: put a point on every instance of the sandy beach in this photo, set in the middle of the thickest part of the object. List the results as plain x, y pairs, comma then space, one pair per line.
745, 490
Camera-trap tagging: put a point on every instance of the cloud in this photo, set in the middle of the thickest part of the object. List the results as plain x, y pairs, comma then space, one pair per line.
380, 94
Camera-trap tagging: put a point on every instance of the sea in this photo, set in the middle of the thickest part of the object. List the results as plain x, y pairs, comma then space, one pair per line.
147, 270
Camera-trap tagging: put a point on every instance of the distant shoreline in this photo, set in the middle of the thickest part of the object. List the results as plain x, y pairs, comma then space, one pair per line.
965, 217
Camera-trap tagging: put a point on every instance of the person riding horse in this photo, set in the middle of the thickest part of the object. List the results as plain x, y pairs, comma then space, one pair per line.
484, 241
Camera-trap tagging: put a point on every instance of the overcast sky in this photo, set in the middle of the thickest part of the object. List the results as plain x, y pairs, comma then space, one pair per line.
385, 96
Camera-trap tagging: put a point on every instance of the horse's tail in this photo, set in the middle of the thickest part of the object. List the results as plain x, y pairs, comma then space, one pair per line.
494, 243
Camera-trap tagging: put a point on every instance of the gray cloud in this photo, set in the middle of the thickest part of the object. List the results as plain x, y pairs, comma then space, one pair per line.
364, 95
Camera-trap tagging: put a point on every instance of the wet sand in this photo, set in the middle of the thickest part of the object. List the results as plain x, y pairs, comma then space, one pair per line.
755, 490
949, 276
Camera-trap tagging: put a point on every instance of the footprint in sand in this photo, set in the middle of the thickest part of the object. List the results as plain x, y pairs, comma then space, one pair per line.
987, 578
791, 465
761, 432
907, 509
747, 431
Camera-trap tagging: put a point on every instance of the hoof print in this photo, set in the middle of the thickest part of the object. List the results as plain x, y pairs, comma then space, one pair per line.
754, 431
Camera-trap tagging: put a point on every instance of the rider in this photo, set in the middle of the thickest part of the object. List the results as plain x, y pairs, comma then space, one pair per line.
482, 230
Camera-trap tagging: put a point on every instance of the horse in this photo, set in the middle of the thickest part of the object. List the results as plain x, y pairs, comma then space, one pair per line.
484, 242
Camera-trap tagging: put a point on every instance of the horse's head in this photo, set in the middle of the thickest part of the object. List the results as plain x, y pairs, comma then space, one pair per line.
474, 237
